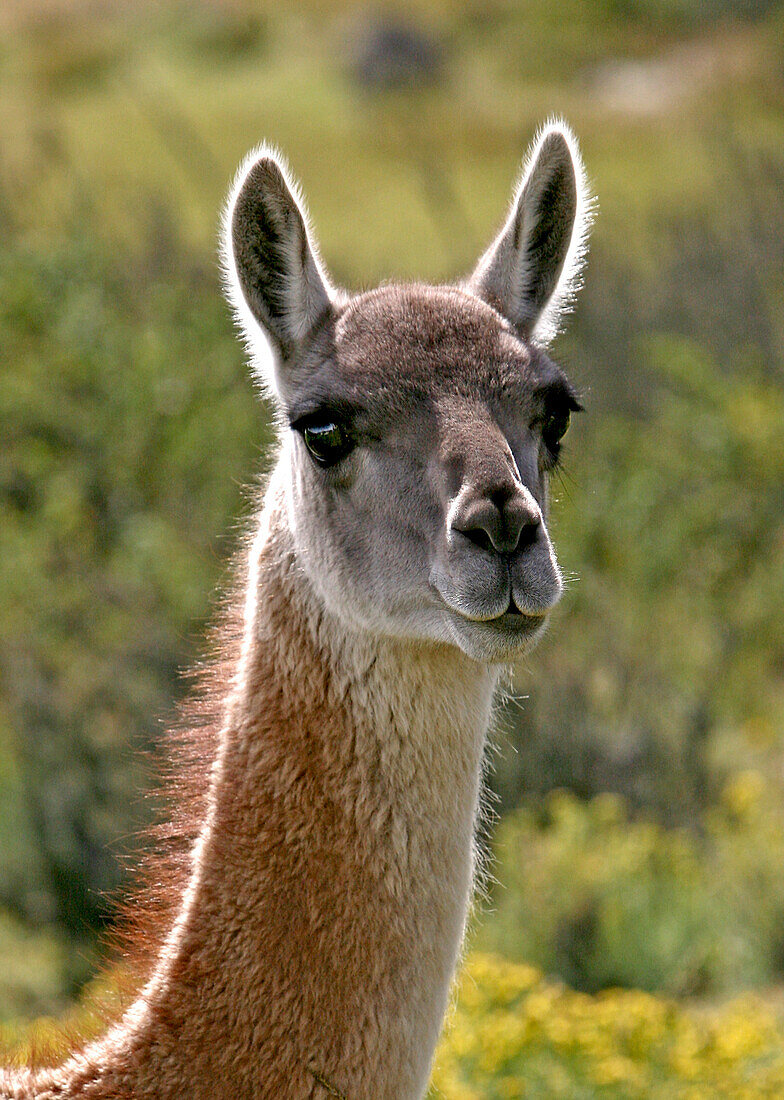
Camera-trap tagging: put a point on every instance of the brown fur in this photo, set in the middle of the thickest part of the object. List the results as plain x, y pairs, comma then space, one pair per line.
295, 952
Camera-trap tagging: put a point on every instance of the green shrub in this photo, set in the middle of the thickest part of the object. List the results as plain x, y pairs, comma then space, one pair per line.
602, 900
124, 408
659, 676
32, 964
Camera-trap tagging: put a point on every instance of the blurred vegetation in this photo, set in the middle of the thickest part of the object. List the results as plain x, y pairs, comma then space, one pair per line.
603, 900
514, 1033
130, 429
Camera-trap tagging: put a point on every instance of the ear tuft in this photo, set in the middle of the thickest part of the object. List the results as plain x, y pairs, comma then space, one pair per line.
272, 273
532, 270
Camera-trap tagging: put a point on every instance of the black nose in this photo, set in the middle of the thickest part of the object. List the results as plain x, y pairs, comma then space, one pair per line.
503, 519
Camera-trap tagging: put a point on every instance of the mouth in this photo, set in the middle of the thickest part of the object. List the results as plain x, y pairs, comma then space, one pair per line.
501, 639
487, 621
497, 638
505, 620
512, 621
514, 618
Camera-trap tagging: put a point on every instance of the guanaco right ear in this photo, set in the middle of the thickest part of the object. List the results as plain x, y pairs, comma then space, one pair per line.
531, 271
274, 278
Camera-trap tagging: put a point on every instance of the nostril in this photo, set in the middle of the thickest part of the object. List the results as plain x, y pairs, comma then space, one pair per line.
479, 537
529, 533
480, 521
522, 520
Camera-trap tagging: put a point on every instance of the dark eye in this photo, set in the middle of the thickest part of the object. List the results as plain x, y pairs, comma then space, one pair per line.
554, 428
327, 440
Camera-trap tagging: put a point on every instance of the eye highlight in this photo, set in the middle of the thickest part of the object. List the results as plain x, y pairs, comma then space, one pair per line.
326, 438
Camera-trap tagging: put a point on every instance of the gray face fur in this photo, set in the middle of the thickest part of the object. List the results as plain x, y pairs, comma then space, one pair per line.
425, 517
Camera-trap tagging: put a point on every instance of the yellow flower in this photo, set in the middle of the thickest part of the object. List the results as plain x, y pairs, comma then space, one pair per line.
742, 794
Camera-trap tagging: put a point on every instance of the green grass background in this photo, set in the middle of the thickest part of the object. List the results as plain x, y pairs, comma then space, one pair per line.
639, 782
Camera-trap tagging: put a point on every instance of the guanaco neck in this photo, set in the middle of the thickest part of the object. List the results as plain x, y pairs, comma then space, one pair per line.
323, 919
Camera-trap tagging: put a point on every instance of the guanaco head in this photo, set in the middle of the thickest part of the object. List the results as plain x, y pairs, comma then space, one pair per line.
419, 424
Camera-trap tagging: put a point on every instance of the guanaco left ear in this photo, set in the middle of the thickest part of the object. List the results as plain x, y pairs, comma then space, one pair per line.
532, 269
274, 277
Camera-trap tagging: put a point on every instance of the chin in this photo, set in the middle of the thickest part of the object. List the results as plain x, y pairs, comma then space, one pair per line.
503, 640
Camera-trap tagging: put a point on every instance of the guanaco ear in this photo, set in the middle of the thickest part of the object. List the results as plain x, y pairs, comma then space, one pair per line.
531, 271
274, 277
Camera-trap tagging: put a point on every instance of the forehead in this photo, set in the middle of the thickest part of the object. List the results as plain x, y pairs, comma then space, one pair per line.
401, 352
419, 343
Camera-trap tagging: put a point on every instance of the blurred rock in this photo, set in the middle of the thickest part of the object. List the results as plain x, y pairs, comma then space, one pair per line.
390, 53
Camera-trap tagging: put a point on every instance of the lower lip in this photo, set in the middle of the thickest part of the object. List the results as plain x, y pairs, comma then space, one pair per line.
516, 620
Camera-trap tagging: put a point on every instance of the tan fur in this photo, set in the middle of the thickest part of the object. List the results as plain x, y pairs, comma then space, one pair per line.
322, 924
